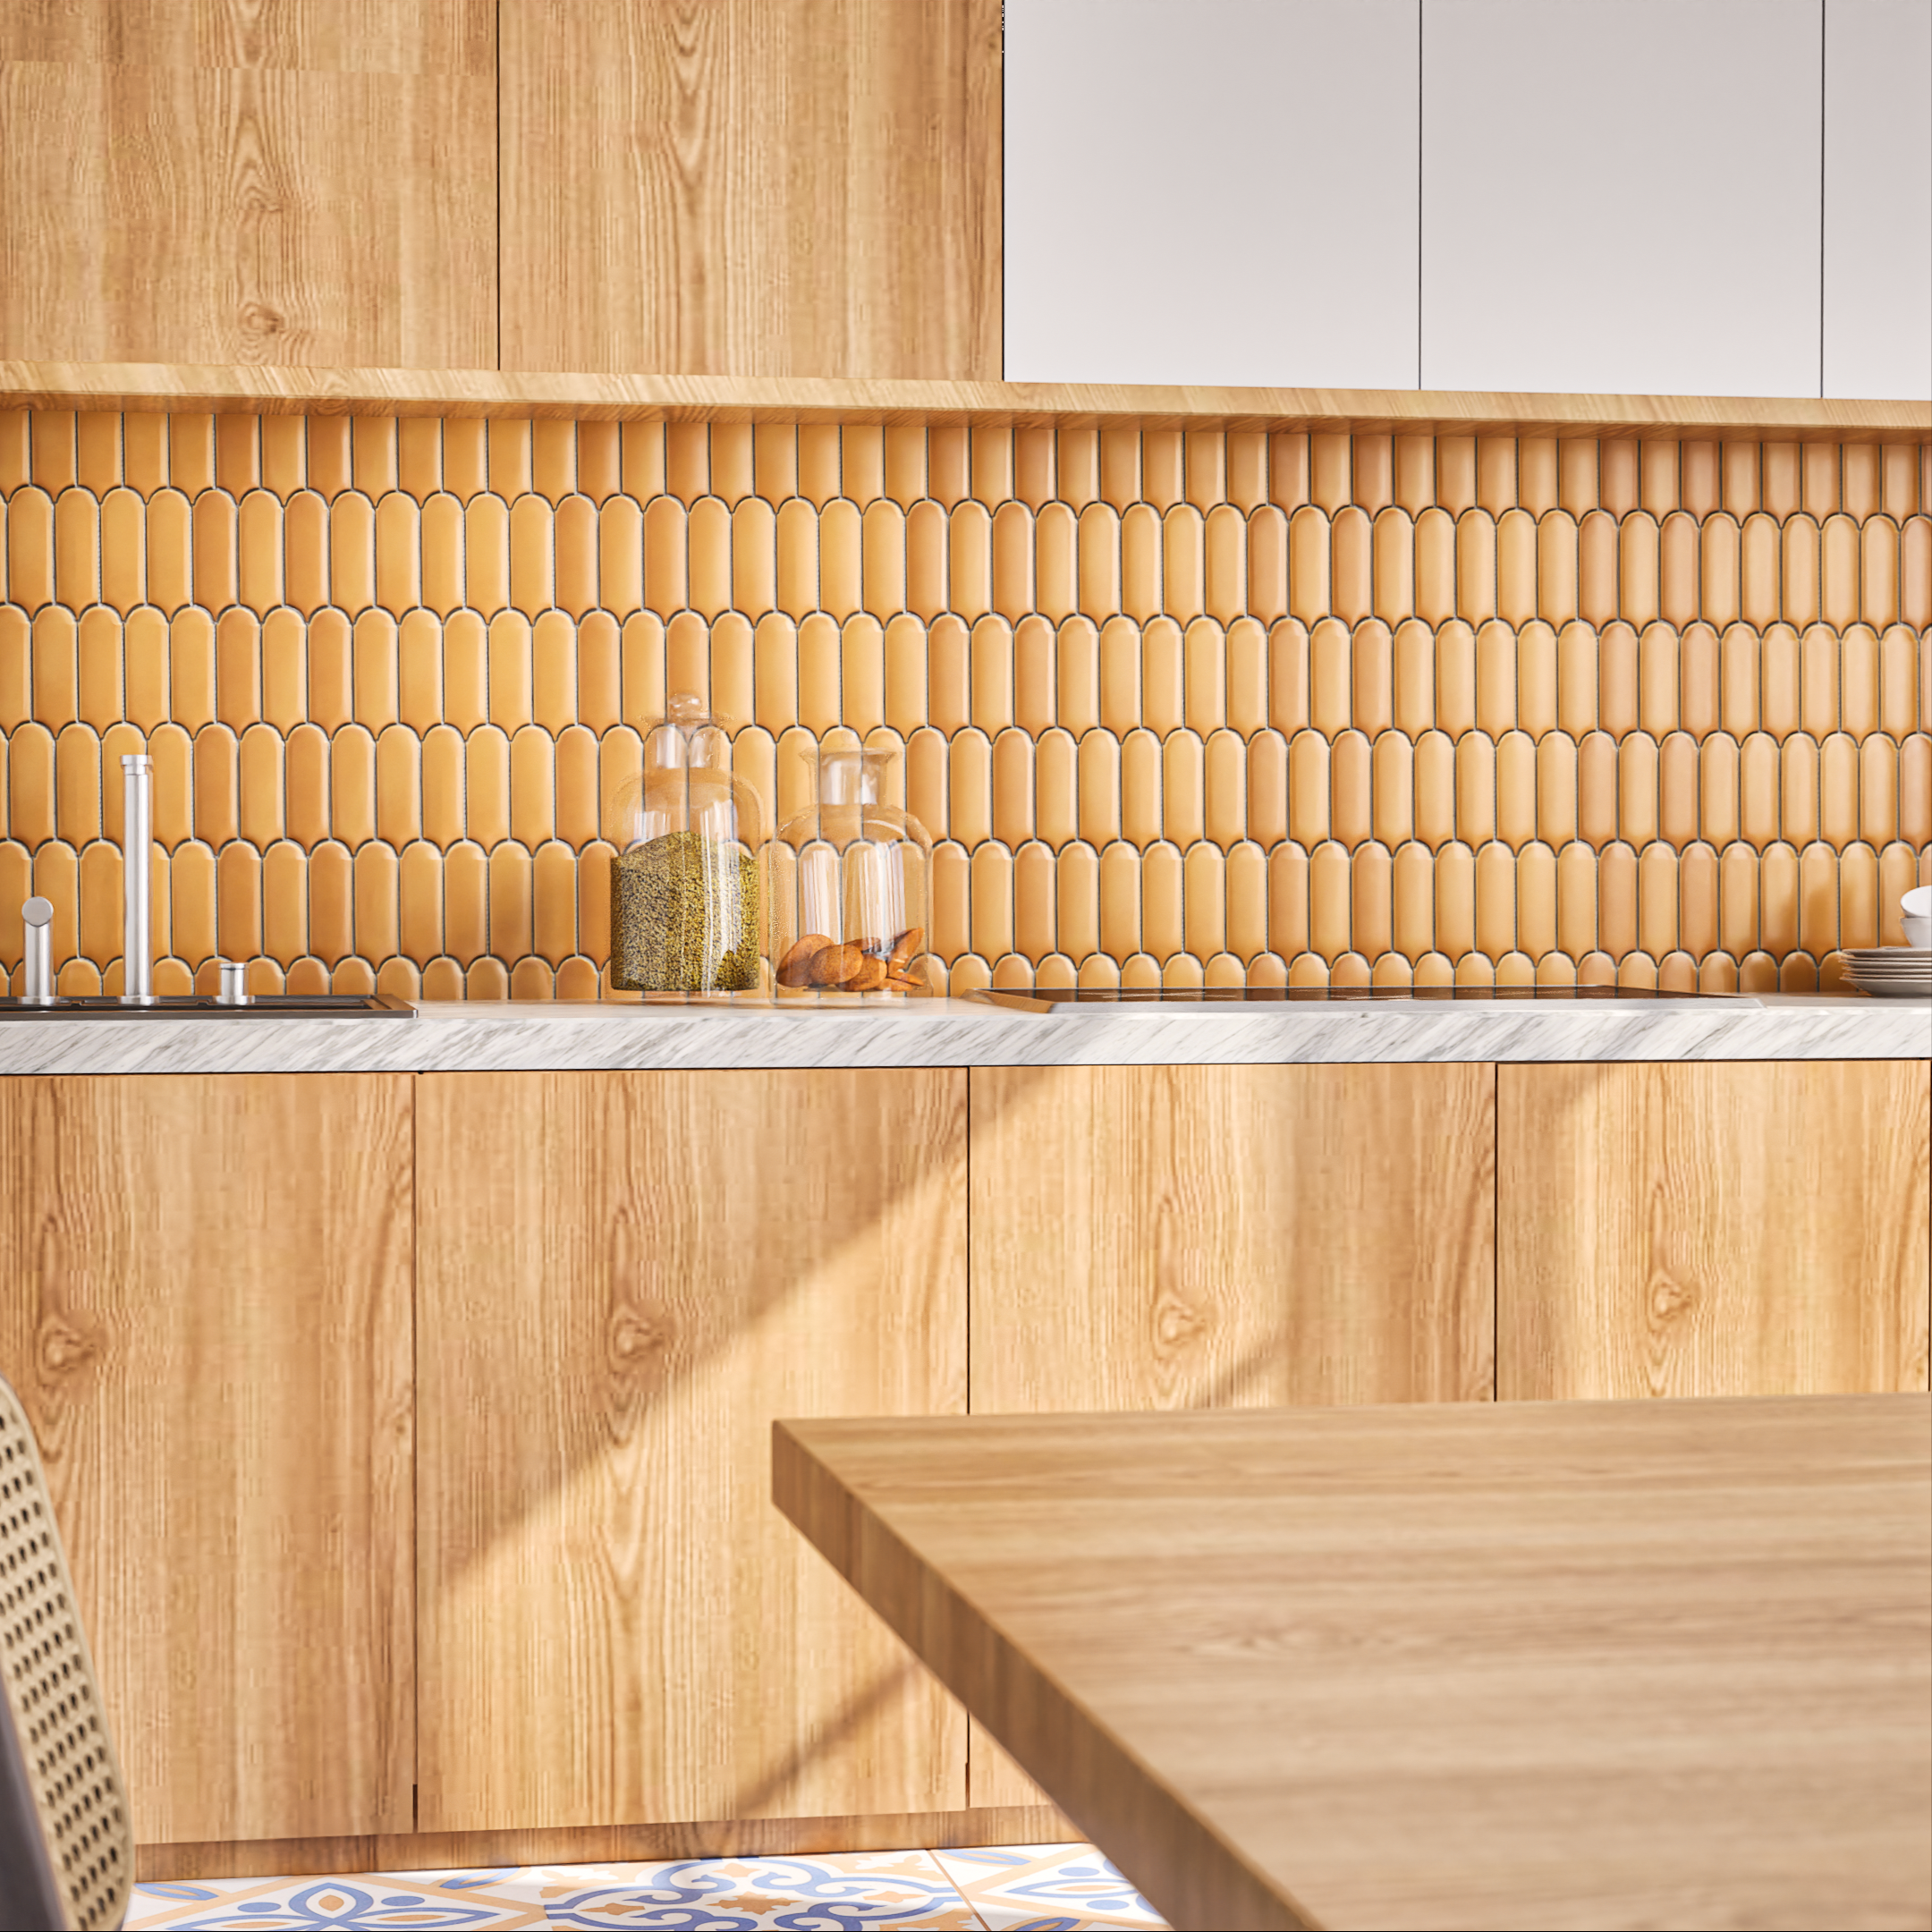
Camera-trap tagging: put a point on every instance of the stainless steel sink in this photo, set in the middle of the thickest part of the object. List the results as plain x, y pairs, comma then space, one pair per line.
197, 1006
36, 980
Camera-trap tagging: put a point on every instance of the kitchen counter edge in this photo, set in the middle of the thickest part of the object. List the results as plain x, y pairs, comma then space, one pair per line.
504, 1038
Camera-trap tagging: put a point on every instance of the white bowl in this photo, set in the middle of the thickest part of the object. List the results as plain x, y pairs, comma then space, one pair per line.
1919, 928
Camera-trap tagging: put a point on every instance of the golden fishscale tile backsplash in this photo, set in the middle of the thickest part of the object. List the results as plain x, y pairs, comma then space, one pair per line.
1176, 706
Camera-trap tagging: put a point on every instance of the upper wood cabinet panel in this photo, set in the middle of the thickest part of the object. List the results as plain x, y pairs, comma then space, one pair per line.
1740, 1229
1621, 196
1211, 194
735, 187
207, 1315
309, 183
1879, 198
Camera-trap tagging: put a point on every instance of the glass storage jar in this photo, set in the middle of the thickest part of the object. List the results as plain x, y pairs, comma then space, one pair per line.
846, 886
684, 887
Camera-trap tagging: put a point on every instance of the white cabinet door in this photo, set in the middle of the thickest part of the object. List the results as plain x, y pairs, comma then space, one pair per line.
1879, 198
1622, 196
1212, 191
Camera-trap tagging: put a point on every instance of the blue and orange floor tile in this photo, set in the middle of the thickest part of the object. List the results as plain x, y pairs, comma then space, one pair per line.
1000, 1888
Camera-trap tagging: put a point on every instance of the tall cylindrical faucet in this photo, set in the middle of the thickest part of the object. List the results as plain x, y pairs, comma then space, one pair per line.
137, 858
37, 958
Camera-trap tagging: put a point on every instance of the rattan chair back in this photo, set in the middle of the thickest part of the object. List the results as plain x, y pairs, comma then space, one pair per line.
66, 1845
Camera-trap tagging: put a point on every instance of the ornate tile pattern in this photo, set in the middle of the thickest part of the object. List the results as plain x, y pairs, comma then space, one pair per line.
1019, 1888
1054, 1888
1046, 1888
835, 1891
1176, 706
472, 1902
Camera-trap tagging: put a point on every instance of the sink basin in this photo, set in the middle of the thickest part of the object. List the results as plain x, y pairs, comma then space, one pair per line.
198, 1006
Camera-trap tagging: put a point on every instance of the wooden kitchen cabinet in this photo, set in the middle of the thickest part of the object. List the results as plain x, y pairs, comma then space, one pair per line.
207, 1316
1227, 1237
1751, 1228
1221, 1237
588, 1613
312, 183
749, 189
623, 1280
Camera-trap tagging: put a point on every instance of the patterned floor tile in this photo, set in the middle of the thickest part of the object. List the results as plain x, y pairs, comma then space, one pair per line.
1014, 1888
832, 1891
1046, 1888
417, 1901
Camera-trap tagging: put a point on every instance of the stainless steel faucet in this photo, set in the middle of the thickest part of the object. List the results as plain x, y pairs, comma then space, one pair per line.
137, 859
36, 960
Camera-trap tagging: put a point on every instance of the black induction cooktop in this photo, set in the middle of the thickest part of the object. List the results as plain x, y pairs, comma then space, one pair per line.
1046, 999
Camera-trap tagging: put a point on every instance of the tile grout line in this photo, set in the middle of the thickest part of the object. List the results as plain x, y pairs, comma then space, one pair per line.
979, 1918
415, 1620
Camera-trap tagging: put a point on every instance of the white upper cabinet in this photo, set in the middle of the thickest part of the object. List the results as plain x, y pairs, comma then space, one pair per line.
1212, 191
1879, 198
1623, 196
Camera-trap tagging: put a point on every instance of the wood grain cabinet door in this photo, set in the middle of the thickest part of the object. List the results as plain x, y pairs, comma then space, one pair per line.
624, 1279
224, 182
1227, 1237
1753, 1228
1231, 1237
206, 1312
739, 187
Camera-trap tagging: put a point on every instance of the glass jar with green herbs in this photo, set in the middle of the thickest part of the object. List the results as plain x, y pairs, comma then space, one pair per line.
684, 887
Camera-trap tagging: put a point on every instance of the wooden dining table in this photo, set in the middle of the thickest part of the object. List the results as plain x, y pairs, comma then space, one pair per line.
1541, 1664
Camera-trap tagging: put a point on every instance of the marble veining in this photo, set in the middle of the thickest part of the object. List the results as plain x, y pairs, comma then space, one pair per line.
505, 1037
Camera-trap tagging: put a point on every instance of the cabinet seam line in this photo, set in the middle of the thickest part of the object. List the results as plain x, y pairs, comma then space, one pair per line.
1419, 192
415, 1477
969, 1077
496, 24
1496, 1232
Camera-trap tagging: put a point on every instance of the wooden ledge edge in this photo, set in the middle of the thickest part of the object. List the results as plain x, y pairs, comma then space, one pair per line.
225, 388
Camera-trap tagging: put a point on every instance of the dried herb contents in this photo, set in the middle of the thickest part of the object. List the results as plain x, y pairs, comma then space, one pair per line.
684, 916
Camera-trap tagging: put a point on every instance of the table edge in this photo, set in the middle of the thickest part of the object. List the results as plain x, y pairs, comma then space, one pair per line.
972, 1656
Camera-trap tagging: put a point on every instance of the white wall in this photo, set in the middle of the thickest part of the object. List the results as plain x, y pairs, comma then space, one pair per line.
1622, 196
1662, 197
1878, 198
1211, 192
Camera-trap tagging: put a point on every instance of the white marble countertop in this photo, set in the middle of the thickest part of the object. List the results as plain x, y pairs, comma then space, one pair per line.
445, 1038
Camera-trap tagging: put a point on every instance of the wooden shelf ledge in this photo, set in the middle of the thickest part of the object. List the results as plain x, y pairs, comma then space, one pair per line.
232, 387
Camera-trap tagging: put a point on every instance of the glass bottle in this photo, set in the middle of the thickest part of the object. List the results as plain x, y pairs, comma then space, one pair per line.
846, 886
684, 887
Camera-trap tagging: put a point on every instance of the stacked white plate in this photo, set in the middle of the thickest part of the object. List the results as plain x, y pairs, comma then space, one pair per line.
1891, 972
